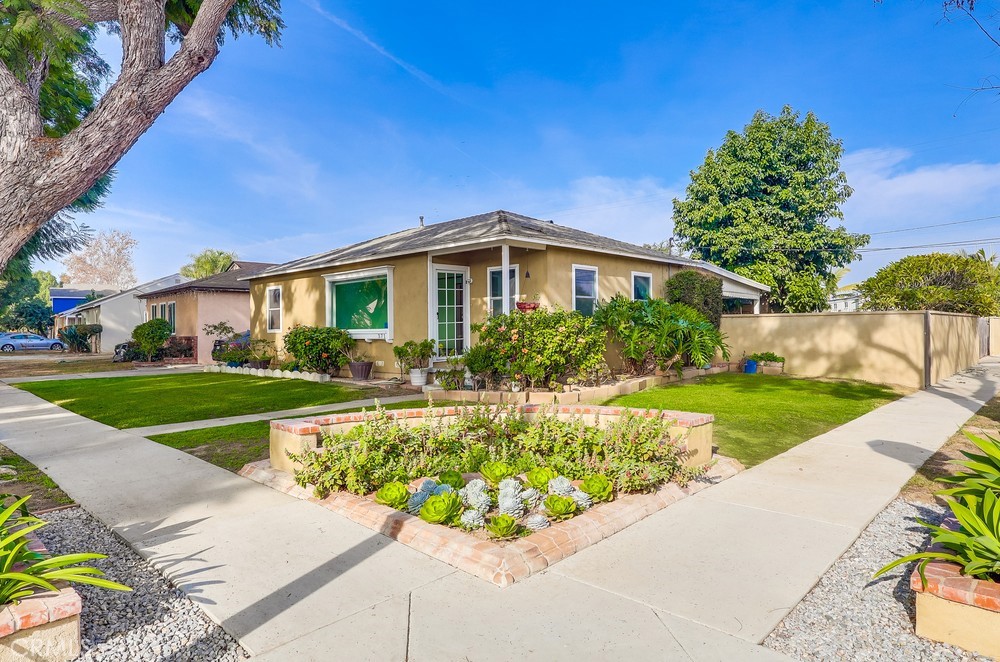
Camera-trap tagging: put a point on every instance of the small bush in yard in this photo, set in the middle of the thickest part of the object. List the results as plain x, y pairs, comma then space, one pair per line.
150, 336
319, 349
541, 347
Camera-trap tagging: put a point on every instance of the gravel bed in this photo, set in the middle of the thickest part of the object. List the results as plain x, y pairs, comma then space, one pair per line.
847, 616
153, 622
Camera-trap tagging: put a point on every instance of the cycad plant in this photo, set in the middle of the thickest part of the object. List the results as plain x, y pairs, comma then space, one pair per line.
975, 504
24, 572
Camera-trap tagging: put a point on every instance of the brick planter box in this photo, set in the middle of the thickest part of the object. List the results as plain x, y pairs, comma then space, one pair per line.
956, 609
501, 565
582, 394
307, 433
42, 628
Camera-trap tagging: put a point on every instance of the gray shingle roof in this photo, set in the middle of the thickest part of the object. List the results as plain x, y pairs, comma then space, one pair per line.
77, 293
227, 281
483, 228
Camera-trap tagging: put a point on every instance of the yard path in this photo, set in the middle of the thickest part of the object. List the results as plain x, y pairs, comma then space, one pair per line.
284, 413
705, 579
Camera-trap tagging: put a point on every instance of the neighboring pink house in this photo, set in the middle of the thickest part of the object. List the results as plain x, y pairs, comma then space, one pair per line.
191, 305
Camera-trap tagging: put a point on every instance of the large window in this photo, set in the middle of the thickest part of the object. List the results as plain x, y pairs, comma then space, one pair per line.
584, 289
642, 286
172, 316
360, 302
496, 289
273, 297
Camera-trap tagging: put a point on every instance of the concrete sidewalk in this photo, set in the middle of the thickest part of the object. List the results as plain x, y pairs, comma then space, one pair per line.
267, 416
705, 579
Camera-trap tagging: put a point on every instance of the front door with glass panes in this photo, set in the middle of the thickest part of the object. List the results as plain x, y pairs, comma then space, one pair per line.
451, 306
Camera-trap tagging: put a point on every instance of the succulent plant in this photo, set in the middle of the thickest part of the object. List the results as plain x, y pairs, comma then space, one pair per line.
582, 499
539, 478
481, 501
416, 501
598, 487
494, 472
531, 497
395, 495
560, 507
512, 506
472, 519
536, 521
453, 478
511, 485
475, 485
428, 486
561, 485
503, 526
442, 488
442, 508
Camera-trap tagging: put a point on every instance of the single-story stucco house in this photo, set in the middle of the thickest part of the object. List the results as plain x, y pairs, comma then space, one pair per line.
189, 306
117, 313
436, 280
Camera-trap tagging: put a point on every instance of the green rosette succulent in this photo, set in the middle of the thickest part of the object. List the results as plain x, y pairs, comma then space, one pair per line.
503, 526
598, 487
395, 495
453, 478
442, 508
494, 472
560, 507
539, 478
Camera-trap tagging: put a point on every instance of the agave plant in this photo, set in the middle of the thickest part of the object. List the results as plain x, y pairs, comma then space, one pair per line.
428, 486
539, 478
511, 505
512, 485
531, 497
472, 519
442, 508
560, 507
442, 488
975, 546
536, 522
982, 471
503, 526
582, 499
395, 495
24, 572
416, 501
494, 472
561, 485
453, 478
598, 487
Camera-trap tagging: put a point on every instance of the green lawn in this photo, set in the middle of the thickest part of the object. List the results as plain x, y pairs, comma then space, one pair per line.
232, 446
760, 416
130, 402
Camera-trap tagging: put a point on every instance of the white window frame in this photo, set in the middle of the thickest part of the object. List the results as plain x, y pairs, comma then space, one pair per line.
597, 281
362, 274
268, 309
642, 274
514, 295
171, 319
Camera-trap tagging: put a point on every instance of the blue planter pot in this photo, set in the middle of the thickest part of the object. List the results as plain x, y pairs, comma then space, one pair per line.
750, 368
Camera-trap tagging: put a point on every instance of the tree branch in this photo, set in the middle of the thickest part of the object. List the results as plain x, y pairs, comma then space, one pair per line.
142, 35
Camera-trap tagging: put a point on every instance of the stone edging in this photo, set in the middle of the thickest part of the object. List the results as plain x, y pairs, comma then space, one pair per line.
312, 424
499, 565
267, 372
39, 609
946, 580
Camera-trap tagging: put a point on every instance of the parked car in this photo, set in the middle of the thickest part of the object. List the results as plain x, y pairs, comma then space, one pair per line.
10, 342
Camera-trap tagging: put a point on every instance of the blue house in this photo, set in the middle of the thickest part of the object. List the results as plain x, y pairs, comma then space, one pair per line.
64, 298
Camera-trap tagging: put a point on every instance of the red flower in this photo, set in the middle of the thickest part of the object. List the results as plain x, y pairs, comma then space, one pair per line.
325, 355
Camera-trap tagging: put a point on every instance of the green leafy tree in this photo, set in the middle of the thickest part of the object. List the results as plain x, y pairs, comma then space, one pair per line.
29, 315
51, 77
937, 281
209, 262
761, 204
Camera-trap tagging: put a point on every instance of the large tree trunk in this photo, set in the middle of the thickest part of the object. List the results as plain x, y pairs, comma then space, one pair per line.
39, 175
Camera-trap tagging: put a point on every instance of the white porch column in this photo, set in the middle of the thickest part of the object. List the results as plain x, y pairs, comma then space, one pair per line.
756, 305
505, 277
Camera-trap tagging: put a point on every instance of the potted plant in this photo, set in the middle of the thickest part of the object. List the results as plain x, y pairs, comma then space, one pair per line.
259, 353
415, 356
358, 363
768, 363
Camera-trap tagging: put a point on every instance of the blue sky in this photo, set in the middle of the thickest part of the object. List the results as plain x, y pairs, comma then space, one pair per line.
590, 114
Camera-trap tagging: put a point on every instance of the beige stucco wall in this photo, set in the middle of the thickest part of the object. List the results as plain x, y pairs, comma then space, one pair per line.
954, 344
995, 336
614, 274
303, 297
882, 347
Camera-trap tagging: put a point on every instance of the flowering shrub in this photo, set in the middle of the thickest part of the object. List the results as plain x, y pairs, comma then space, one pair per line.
541, 347
319, 349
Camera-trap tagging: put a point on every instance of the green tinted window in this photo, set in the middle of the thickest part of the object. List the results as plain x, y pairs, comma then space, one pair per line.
361, 304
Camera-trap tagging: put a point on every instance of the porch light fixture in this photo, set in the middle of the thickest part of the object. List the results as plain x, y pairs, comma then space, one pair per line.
527, 275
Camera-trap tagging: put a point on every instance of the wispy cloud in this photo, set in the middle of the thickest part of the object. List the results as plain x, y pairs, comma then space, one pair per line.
413, 70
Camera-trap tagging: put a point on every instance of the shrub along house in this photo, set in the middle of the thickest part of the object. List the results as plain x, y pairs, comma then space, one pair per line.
189, 306
437, 280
